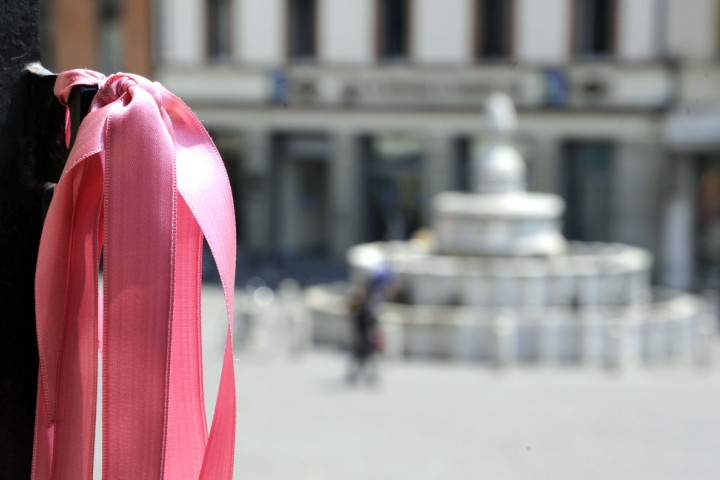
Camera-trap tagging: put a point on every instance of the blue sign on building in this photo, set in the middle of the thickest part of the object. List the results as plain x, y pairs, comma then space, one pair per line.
556, 87
280, 86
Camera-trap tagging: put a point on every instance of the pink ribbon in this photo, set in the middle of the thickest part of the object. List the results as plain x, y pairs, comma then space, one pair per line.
142, 185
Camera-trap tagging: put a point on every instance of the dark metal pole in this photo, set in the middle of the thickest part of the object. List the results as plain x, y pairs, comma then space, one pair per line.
32, 156
21, 189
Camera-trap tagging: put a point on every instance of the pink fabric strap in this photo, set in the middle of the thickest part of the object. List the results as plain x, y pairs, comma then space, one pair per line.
142, 185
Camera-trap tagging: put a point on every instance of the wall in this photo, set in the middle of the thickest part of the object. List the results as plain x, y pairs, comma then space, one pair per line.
260, 31
76, 39
217, 84
182, 36
346, 31
137, 31
344, 130
542, 30
441, 31
692, 28
638, 29
700, 87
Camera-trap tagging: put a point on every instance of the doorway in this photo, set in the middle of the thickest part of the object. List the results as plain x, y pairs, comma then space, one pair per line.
300, 201
394, 194
587, 189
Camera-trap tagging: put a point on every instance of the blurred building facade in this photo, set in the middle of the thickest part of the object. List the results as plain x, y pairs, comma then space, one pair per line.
340, 119
104, 35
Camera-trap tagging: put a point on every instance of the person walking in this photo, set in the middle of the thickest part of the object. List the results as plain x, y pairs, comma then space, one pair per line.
366, 335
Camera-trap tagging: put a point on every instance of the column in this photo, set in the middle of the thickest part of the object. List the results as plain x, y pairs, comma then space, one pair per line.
544, 166
345, 194
439, 169
637, 177
677, 258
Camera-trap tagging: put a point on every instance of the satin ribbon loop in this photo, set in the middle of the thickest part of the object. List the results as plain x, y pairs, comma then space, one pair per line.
143, 183
67, 80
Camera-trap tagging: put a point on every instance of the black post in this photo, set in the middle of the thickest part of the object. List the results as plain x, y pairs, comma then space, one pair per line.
21, 189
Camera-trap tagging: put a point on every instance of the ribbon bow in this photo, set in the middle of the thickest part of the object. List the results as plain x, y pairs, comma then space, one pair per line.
142, 185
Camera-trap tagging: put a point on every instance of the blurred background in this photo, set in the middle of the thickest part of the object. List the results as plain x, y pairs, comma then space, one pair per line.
324, 110
340, 120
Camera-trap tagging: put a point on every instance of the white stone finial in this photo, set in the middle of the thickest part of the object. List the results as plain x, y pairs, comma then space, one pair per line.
500, 111
499, 169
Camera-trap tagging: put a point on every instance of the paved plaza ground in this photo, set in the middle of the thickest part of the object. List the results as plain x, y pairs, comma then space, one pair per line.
297, 420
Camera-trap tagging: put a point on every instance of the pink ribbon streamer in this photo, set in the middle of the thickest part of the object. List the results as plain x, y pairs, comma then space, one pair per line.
142, 185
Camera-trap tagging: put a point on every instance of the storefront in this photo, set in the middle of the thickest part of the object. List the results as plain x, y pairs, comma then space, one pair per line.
692, 243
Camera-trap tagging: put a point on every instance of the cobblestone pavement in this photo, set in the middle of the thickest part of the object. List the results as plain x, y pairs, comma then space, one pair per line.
297, 420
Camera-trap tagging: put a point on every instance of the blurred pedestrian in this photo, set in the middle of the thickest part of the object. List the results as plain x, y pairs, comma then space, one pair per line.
366, 336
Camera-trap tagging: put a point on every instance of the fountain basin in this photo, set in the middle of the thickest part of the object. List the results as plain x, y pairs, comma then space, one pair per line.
507, 224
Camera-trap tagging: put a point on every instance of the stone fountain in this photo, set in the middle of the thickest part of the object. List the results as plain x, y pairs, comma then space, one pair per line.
497, 281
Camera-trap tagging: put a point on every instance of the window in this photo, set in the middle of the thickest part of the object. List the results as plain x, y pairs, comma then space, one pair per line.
493, 28
301, 29
594, 27
218, 29
587, 182
393, 29
111, 36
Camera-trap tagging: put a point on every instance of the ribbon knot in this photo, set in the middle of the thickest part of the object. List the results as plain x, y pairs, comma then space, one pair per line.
143, 184
117, 85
